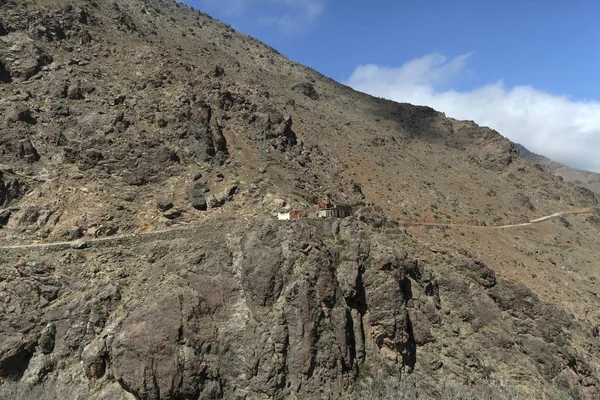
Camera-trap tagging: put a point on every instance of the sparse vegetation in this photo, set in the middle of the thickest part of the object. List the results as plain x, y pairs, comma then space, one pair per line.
395, 389
46, 342
46, 391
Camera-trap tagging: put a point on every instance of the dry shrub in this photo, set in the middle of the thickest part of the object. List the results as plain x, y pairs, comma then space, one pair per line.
46, 391
393, 388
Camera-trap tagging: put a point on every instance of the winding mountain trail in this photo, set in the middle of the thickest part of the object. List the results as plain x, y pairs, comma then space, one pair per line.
174, 232
547, 217
531, 222
84, 242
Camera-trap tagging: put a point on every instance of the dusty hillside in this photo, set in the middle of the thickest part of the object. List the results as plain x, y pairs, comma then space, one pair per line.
154, 146
587, 179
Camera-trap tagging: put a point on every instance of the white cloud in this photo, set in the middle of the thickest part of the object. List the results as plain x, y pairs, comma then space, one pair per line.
290, 16
558, 127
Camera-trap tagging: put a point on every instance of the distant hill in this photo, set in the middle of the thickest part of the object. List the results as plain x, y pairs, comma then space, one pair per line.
587, 179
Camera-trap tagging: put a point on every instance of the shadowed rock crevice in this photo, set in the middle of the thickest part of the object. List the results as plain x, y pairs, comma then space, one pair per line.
357, 308
206, 140
409, 356
14, 363
4, 74
11, 189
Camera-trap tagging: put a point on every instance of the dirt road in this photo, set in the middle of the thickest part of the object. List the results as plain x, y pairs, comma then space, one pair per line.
174, 232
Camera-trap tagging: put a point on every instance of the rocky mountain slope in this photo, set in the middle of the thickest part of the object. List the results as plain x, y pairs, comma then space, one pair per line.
587, 179
155, 145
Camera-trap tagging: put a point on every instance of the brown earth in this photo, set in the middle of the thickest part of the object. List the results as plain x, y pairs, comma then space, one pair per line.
586, 179
126, 118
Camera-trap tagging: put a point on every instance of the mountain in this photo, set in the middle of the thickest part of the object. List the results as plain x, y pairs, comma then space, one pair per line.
145, 152
587, 179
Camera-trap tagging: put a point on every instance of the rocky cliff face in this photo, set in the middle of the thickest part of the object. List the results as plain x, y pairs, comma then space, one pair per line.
144, 152
273, 310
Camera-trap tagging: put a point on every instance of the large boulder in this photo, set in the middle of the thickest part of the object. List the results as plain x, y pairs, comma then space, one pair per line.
196, 197
307, 89
20, 57
220, 198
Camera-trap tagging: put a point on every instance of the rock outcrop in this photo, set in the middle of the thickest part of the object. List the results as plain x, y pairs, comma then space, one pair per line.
274, 310
207, 142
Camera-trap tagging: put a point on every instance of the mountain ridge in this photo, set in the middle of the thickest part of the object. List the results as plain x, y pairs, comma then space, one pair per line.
579, 177
131, 117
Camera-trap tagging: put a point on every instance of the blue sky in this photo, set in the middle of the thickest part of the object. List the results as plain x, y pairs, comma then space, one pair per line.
527, 68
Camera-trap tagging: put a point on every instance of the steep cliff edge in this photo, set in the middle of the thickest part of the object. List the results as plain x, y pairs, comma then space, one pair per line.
273, 309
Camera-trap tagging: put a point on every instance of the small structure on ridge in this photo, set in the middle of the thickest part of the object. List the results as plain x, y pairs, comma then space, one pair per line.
335, 212
288, 215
